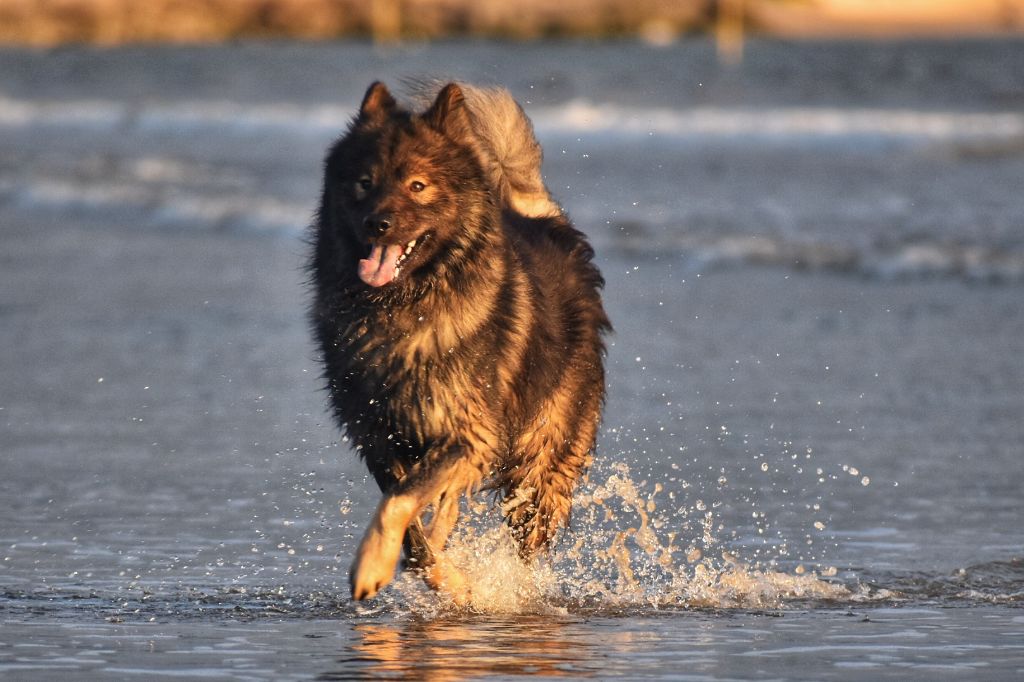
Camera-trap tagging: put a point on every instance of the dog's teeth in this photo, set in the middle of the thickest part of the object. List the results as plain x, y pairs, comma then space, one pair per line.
411, 244
408, 250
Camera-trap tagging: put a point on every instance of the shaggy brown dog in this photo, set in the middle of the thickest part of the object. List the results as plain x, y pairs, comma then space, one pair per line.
459, 316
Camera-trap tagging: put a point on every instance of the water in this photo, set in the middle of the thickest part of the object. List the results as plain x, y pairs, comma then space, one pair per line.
810, 465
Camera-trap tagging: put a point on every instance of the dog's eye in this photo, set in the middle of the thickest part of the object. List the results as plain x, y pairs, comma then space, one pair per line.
417, 186
364, 183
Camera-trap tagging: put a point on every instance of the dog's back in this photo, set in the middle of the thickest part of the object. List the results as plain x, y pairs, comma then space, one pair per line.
466, 349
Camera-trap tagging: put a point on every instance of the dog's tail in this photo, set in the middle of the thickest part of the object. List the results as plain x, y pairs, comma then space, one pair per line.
514, 166
507, 147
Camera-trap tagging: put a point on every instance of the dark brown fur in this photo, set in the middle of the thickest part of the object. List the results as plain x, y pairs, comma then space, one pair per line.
481, 364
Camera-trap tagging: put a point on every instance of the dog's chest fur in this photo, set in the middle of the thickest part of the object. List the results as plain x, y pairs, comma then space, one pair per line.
426, 369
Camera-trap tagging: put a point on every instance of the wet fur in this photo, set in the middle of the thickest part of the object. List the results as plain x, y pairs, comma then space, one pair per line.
481, 364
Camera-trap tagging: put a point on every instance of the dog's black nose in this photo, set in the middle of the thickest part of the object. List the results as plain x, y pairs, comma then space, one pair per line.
377, 222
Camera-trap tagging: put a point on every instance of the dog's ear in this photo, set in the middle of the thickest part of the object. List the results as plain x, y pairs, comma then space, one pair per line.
377, 103
448, 112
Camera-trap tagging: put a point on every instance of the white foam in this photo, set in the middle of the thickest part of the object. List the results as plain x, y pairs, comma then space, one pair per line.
575, 117
161, 207
77, 113
582, 116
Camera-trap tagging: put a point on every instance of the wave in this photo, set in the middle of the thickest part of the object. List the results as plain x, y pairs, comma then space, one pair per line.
581, 116
172, 116
156, 207
573, 118
916, 258
196, 166
147, 201
993, 582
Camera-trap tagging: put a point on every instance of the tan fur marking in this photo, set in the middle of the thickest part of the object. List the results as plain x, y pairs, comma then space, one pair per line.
552, 461
381, 546
444, 577
514, 351
456, 319
534, 205
378, 553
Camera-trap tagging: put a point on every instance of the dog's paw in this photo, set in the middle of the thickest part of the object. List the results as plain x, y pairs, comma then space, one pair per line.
366, 588
375, 562
445, 578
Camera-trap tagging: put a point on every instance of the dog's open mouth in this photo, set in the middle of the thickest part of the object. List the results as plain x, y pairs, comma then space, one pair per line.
384, 263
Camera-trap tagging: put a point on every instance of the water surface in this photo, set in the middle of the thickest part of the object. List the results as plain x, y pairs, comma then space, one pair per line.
810, 464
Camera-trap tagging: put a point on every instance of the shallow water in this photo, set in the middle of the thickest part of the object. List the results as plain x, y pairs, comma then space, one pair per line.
810, 465
884, 643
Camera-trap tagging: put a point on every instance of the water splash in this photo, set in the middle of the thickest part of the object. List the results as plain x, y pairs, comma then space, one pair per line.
622, 553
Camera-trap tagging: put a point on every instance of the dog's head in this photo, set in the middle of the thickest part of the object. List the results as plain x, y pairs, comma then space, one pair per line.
401, 186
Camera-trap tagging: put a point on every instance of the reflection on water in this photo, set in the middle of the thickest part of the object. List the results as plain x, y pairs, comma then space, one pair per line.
881, 643
458, 648
902, 643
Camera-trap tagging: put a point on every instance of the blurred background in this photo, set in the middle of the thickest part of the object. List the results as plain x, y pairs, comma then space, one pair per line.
109, 22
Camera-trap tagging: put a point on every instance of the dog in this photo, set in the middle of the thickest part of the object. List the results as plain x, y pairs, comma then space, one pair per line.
459, 317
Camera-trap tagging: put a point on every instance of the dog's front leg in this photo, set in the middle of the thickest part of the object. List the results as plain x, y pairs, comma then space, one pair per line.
442, 575
381, 546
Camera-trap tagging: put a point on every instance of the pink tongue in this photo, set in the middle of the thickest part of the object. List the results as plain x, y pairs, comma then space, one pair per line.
378, 268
